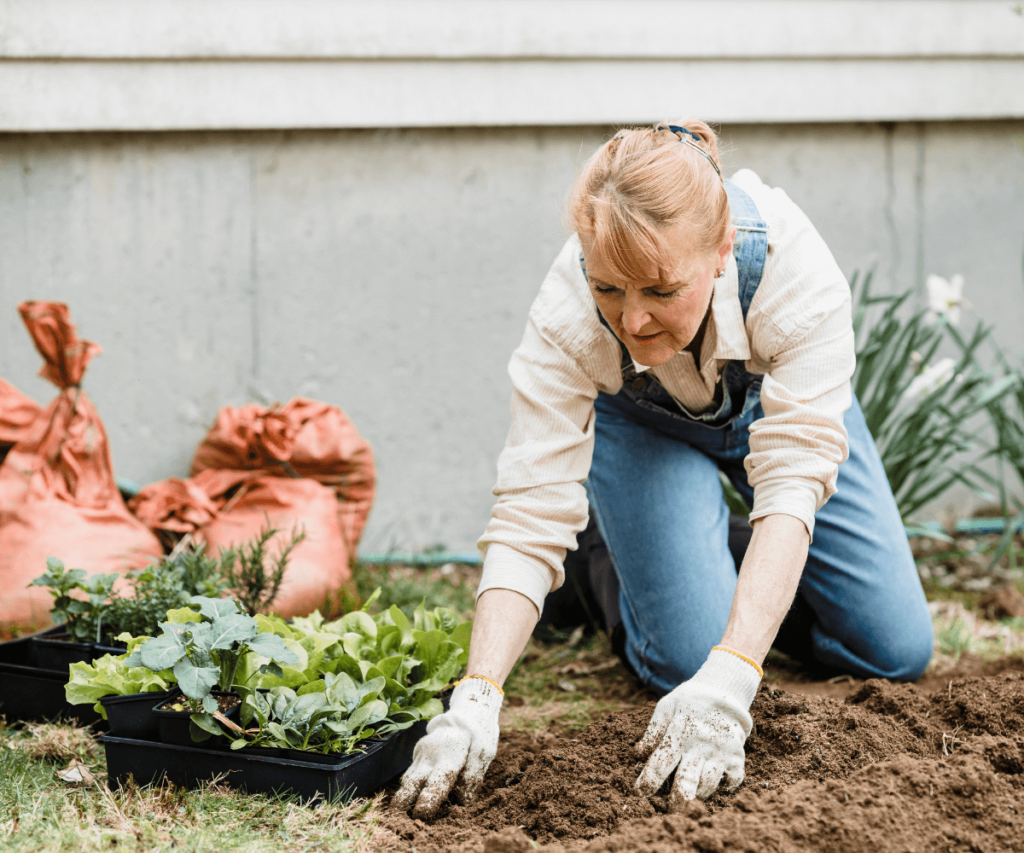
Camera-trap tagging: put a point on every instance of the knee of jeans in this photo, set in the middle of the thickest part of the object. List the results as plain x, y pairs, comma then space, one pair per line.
906, 657
665, 669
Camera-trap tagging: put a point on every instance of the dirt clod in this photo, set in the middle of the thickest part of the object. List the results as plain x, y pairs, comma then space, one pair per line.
892, 768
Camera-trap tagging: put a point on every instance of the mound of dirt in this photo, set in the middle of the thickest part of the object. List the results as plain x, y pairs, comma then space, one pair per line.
891, 768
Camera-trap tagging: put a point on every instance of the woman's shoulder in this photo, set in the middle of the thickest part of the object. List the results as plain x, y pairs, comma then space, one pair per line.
777, 209
801, 281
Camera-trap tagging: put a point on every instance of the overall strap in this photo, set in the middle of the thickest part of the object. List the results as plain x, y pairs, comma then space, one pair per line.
751, 246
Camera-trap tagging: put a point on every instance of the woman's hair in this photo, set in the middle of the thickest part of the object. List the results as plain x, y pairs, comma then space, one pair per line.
644, 180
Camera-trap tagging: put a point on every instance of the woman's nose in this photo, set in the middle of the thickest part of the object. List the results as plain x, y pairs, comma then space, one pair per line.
634, 315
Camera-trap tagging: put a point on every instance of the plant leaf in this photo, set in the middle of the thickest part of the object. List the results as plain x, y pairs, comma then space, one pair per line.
215, 608
226, 631
195, 681
162, 652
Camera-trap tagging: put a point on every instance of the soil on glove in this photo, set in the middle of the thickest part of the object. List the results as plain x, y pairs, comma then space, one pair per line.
891, 768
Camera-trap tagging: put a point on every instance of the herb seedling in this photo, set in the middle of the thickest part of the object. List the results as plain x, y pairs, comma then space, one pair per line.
252, 575
84, 618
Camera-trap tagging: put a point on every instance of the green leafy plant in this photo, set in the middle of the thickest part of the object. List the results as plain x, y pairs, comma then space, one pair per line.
922, 423
111, 675
334, 720
252, 575
160, 587
205, 650
83, 616
382, 671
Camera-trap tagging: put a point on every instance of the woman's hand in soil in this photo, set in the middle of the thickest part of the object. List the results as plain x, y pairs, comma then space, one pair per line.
455, 753
699, 729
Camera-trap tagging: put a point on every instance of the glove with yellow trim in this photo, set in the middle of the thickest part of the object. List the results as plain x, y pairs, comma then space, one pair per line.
699, 730
455, 752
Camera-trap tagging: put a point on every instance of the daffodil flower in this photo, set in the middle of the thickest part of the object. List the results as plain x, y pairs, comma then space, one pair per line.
945, 297
932, 376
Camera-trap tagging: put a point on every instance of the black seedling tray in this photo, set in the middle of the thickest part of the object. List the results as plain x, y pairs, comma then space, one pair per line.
175, 727
358, 775
51, 650
58, 654
30, 693
132, 715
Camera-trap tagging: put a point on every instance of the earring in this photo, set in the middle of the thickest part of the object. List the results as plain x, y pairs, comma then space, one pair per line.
719, 273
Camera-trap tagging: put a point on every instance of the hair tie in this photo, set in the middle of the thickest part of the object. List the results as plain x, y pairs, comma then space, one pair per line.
676, 129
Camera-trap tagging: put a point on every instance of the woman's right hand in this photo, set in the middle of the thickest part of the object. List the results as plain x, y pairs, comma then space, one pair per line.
456, 751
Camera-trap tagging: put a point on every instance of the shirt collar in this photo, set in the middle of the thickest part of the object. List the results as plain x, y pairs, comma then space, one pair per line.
726, 322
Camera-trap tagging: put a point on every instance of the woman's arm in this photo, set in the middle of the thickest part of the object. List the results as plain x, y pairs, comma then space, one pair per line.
767, 584
501, 628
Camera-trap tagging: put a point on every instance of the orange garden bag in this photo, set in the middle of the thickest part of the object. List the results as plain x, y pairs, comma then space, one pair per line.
301, 439
58, 495
17, 413
224, 508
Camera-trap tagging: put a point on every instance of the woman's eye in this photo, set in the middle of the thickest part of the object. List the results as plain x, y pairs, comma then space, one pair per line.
606, 291
667, 295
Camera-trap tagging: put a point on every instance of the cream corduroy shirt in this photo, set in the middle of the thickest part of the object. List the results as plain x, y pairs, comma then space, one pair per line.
798, 334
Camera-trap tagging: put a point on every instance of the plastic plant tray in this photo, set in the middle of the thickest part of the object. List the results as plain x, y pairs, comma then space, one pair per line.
132, 715
357, 775
30, 693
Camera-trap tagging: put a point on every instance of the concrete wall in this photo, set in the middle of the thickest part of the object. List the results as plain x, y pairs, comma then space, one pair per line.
389, 272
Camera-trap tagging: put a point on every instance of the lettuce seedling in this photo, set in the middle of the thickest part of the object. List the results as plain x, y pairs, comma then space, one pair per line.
111, 675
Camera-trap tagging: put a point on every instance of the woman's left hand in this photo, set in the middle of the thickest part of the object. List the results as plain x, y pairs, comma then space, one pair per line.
699, 730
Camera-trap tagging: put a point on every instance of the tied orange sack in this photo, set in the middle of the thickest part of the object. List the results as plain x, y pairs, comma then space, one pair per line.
301, 439
58, 495
301, 466
17, 414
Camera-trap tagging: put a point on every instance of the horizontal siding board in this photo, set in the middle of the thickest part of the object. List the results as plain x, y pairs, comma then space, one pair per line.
254, 95
460, 29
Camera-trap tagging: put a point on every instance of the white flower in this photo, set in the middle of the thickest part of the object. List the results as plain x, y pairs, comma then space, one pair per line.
932, 376
945, 297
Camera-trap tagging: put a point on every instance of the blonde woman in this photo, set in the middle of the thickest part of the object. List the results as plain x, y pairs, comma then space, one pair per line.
691, 325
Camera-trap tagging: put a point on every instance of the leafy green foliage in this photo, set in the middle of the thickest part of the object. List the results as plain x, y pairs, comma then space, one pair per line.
111, 675
164, 586
252, 575
83, 615
205, 651
921, 429
352, 677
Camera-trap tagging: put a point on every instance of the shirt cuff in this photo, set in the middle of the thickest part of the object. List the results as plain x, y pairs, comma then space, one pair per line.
795, 496
507, 568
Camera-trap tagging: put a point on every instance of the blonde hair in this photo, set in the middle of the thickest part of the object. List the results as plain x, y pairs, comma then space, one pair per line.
642, 181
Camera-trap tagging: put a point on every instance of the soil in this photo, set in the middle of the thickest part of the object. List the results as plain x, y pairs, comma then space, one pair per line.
225, 702
890, 767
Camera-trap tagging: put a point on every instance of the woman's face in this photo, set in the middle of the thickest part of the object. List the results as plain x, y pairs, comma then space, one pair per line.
659, 316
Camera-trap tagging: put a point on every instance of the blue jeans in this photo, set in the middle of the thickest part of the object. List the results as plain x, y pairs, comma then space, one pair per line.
657, 499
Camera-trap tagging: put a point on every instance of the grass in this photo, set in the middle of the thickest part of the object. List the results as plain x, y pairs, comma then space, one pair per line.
40, 812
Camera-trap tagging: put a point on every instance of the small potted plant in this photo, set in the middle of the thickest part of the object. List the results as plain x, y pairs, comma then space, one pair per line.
204, 651
82, 617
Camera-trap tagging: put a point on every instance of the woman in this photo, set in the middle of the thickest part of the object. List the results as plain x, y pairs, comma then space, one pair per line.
690, 326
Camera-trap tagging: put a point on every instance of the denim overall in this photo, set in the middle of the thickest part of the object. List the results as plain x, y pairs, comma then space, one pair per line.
656, 497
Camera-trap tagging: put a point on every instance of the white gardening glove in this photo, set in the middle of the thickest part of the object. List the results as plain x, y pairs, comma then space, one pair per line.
455, 752
699, 730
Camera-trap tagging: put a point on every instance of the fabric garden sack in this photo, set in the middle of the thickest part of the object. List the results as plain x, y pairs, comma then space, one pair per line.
17, 413
224, 508
58, 495
301, 439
